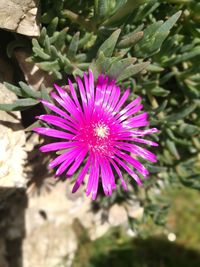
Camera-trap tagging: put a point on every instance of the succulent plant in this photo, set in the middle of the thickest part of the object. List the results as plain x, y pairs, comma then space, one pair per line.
151, 46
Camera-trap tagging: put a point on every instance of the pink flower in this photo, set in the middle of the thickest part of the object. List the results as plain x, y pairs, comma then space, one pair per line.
99, 131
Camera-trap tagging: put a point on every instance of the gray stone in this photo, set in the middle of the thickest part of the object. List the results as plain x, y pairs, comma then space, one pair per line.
19, 16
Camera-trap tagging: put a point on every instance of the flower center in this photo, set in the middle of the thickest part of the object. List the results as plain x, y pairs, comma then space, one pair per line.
97, 137
101, 130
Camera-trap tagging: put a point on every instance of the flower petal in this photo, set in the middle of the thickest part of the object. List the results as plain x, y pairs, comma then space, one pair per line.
135, 163
137, 150
57, 146
120, 174
131, 172
77, 162
81, 175
53, 133
122, 100
57, 121
93, 179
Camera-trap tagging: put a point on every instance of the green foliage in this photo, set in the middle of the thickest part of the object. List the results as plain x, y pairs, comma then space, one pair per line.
30, 97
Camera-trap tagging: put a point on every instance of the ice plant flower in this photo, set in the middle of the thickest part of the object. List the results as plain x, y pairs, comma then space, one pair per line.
98, 132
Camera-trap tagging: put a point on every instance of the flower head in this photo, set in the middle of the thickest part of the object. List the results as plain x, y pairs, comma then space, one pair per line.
99, 131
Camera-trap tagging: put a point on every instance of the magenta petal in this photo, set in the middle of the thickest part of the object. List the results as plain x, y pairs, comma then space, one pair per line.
107, 94
91, 81
53, 133
77, 163
68, 106
100, 90
92, 177
130, 112
114, 97
137, 121
139, 151
74, 95
106, 182
135, 163
122, 100
56, 121
129, 106
95, 182
81, 176
56, 146
99, 127
56, 110
144, 141
120, 175
131, 172
58, 160
82, 92
62, 168
144, 132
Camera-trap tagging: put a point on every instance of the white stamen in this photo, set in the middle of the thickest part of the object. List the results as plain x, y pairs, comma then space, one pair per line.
101, 130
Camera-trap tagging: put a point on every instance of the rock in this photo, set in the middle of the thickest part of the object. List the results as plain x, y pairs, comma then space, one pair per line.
117, 215
49, 245
135, 212
34, 76
12, 142
20, 16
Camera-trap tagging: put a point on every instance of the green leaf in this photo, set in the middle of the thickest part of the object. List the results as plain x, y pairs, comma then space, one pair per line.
172, 148
35, 43
42, 36
86, 38
164, 29
18, 91
130, 39
159, 91
101, 65
154, 36
40, 53
29, 91
145, 10
132, 70
188, 130
52, 26
156, 169
154, 68
33, 125
71, 53
60, 40
186, 56
143, 47
181, 114
19, 104
125, 10
16, 44
55, 54
109, 45
161, 107
45, 95
192, 181
49, 66
100, 9
118, 68
47, 45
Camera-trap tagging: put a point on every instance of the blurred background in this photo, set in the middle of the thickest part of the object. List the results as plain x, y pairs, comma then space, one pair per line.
156, 54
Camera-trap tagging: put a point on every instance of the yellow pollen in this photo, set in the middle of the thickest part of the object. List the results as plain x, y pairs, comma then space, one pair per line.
102, 131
